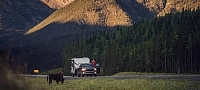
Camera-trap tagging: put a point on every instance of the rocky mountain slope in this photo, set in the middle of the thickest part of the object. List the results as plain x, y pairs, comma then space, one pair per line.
173, 6
57, 4
112, 12
160, 7
90, 12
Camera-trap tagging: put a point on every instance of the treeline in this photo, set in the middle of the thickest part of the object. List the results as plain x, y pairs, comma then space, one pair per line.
169, 44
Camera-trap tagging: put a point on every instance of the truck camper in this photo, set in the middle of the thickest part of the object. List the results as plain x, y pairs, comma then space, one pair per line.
81, 66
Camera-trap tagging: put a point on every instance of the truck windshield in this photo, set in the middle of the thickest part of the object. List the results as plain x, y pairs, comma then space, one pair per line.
86, 65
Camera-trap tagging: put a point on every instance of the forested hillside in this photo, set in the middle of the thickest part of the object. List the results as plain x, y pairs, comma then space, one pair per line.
17, 16
169, 44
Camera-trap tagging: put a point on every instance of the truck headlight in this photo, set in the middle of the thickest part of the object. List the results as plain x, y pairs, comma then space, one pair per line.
95, 69
83, 69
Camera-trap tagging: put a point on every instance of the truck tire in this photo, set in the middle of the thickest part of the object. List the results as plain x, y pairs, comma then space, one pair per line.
78, 73
82, 75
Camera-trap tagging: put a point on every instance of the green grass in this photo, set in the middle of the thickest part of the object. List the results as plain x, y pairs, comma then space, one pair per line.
17, 82
140, 73
112, 84
52, 71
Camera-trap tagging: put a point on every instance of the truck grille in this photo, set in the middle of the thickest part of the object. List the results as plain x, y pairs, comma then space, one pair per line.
89, 69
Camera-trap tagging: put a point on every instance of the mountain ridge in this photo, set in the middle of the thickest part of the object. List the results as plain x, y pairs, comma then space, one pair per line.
87, 14
131, 7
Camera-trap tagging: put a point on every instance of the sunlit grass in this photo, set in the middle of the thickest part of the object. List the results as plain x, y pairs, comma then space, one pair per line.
112, 84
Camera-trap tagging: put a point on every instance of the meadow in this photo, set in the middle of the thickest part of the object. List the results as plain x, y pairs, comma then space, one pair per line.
113, 84
18, 82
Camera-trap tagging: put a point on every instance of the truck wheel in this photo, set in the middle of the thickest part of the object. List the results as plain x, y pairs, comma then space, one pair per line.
78, 75
82, 75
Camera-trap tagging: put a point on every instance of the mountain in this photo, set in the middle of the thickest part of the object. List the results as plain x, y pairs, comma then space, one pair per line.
162, 7
57, 4
159, 7
79, 14
90, 12
107, 13
43, 43
173, 6
17, 16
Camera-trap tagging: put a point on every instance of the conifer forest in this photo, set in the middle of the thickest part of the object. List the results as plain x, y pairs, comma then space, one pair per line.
169, 44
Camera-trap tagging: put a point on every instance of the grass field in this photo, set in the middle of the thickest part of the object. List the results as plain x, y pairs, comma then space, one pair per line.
112, 84
140, 73
17, 82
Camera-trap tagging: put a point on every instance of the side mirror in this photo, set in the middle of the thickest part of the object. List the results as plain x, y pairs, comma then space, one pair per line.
97, 65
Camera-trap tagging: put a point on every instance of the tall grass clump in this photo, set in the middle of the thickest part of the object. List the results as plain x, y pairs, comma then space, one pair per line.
11, 79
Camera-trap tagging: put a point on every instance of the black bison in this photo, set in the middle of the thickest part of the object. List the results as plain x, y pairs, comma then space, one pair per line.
56, 77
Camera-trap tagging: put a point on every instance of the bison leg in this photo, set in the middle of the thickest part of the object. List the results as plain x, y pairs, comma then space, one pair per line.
47, 77
62, 80
50, 81
57, 81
